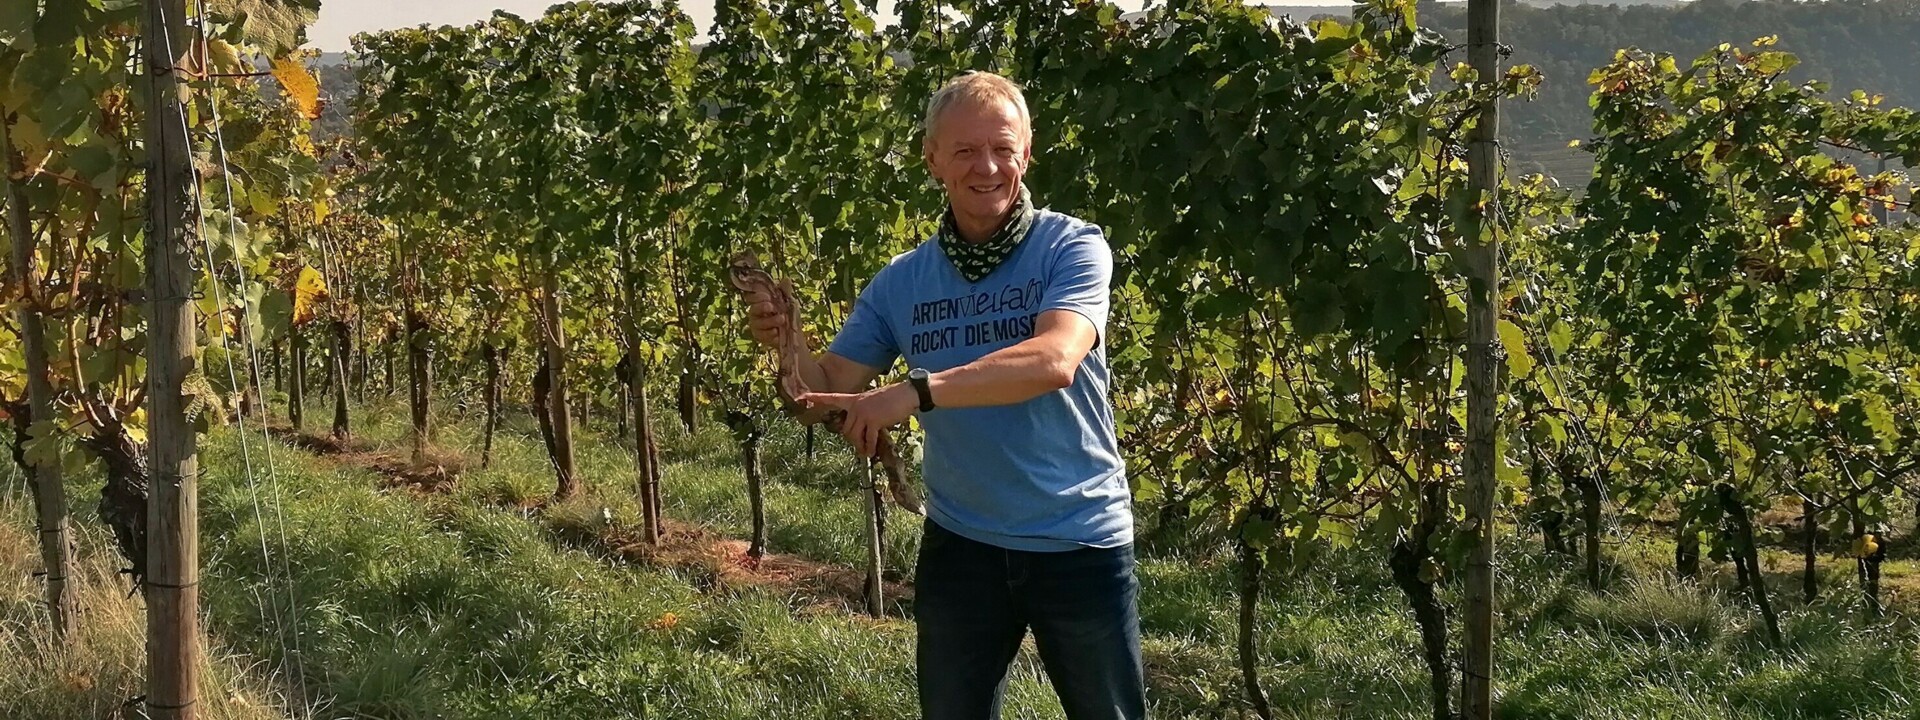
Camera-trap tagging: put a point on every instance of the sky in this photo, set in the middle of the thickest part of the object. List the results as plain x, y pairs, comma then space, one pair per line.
340, 19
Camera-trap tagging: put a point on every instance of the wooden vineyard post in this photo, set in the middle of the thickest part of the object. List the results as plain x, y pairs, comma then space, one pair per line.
1483, 382
342, 351
173, 559
297, 383
876, 509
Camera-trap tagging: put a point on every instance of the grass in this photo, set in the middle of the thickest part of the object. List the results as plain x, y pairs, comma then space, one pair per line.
103, 663
462, 608
463, 605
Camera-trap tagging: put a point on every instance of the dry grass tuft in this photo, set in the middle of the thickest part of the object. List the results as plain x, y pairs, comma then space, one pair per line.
102, 665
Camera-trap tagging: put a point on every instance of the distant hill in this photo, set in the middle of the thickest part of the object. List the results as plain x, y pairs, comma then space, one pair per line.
1309, 12
1871, 45
338, 87
1552, 3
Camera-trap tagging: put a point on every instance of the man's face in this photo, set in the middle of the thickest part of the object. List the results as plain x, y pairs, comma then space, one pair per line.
979, 152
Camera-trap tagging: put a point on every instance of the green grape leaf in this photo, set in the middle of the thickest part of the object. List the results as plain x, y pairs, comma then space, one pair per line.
276, 26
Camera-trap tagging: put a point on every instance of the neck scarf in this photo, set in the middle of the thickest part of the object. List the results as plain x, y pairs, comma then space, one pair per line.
976, 261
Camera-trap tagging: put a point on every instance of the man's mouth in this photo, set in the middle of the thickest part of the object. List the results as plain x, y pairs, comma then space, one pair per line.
987, 189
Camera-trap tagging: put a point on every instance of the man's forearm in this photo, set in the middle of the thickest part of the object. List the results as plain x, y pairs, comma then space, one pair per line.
813, 369
816, 379
811, 373
1044, 363
1006, 377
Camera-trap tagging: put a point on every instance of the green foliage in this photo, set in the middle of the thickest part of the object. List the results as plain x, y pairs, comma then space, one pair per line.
276, 26
1740, 269
1288, 209
73, 97
513, 151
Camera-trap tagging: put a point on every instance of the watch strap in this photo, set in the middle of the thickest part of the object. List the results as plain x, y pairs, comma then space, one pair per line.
920, 387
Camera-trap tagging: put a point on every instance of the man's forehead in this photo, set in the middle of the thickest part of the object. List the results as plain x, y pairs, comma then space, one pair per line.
980, 120
982, 132
997, 107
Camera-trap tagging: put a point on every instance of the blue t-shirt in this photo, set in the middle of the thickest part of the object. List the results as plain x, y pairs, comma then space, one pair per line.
1042, 475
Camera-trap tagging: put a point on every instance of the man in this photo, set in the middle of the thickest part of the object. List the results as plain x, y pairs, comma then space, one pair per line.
1000, 318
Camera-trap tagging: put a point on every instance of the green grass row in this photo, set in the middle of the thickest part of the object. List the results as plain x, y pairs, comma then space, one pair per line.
1336, 640
462, 607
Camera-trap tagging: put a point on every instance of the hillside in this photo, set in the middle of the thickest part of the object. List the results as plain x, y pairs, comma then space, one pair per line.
1851, 44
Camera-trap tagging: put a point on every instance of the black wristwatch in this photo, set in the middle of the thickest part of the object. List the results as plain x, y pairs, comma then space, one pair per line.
918, 378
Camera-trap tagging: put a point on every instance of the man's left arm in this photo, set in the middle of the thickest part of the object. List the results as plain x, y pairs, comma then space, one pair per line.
1068, 327
1072, 319
1036, 366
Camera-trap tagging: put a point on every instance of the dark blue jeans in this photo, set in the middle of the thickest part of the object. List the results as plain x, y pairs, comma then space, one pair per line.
974, 603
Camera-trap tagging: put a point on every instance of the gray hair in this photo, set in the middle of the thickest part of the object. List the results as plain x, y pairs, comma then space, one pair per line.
976, 86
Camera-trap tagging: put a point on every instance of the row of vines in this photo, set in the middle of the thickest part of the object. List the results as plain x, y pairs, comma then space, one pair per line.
1725, 320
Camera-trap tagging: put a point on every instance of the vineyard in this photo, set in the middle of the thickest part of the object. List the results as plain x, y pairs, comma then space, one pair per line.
556, 477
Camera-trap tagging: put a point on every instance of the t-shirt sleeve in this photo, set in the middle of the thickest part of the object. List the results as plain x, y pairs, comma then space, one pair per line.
1082, 277
866, 338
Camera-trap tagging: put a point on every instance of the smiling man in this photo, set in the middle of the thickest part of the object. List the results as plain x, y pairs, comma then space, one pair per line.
1001, 319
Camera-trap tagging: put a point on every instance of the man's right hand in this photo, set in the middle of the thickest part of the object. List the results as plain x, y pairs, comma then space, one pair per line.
764, 322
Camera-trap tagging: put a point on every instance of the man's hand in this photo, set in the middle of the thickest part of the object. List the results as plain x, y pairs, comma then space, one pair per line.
763, 320
869, 414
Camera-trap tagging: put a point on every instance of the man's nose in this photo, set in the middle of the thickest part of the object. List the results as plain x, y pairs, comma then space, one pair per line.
986, 165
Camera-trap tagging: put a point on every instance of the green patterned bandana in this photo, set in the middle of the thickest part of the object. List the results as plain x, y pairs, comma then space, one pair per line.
976, 261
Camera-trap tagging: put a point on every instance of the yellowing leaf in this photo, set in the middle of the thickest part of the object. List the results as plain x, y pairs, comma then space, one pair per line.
1518, 361
263, 204
304, 144
299, 85
30, 141
321, 209
223, 57
309, 290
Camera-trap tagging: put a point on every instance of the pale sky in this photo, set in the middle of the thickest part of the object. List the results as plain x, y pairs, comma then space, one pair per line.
340, 19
